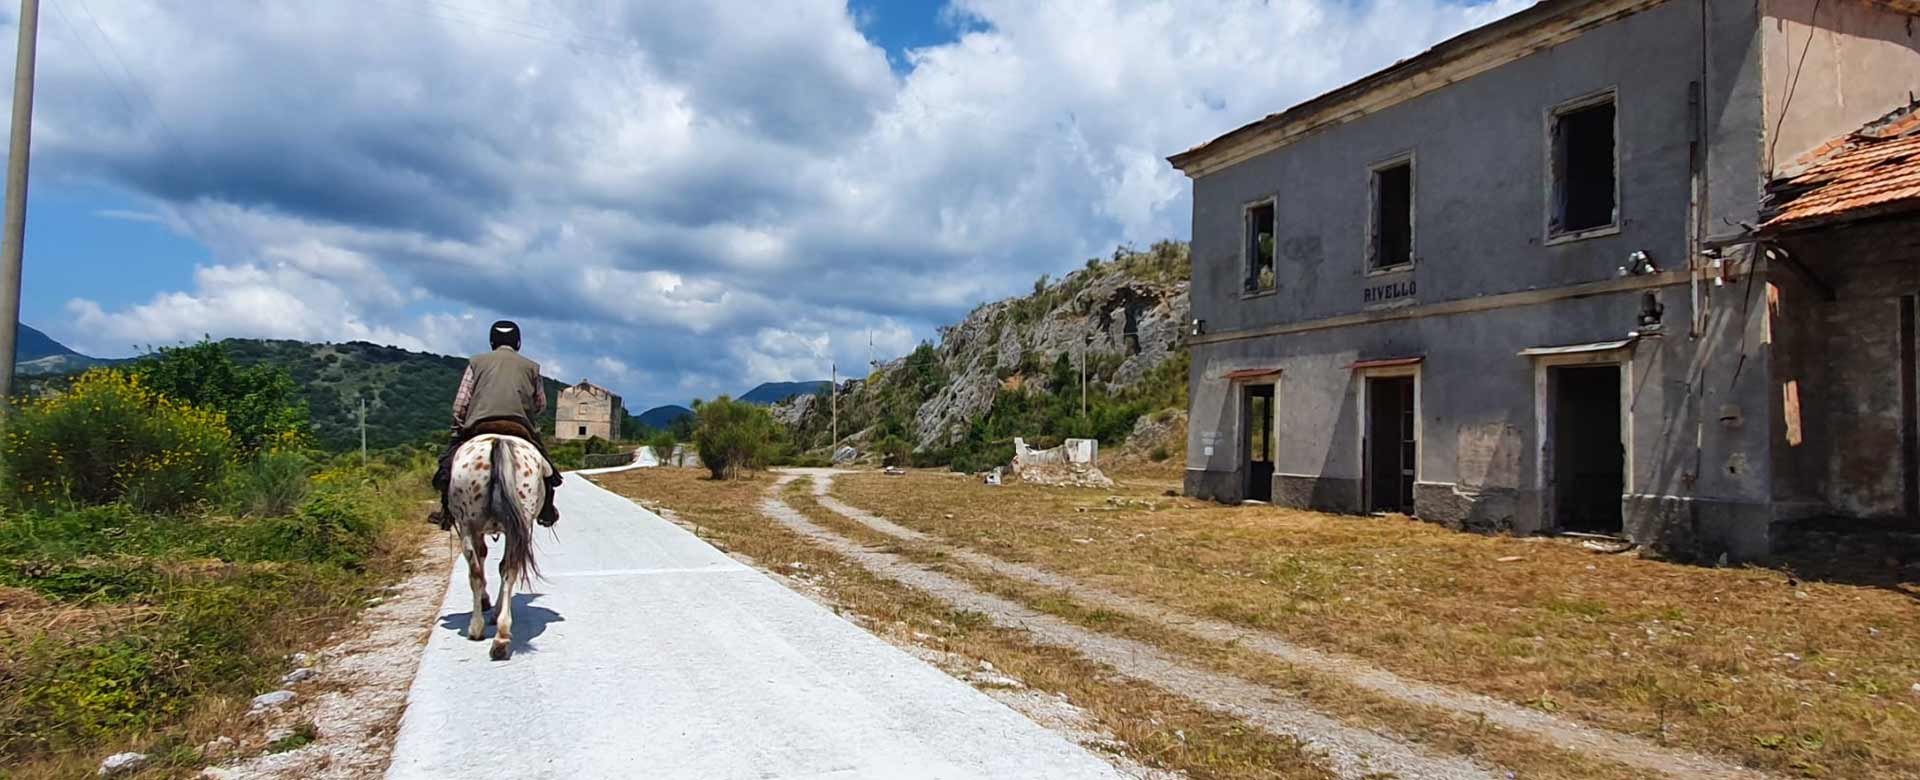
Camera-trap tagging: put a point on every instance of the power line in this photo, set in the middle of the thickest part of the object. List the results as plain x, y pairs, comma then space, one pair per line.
94, 57
152, 106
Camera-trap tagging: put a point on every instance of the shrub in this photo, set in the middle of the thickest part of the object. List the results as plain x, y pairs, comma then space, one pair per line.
732, 436
662, 444
894, 451
262, 404
110, 437
1158, 453
272, 485
332, 526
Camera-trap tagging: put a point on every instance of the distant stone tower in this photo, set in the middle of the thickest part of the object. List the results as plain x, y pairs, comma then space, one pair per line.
587, 410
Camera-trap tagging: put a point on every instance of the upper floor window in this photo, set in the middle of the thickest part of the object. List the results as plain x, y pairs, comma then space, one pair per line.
1390, 244
1585, 163
1259, 250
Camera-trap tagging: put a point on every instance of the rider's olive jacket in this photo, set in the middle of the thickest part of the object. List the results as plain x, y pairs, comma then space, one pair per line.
500, 385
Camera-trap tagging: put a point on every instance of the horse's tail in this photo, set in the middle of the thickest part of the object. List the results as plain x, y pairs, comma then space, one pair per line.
518, 526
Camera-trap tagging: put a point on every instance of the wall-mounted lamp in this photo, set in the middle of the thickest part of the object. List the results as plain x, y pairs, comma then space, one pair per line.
1639, 264
1199, 327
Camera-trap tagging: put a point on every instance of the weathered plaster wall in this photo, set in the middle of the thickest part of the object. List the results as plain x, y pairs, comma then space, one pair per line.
1479, 455
1480, 174
1862, 61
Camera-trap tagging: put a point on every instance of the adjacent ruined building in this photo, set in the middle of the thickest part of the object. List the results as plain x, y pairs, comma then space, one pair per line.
586, 411
1629, 267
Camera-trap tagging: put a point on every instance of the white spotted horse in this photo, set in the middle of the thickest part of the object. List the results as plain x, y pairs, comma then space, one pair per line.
499, 483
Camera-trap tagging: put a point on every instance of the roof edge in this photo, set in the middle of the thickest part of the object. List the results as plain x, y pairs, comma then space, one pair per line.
1542, 25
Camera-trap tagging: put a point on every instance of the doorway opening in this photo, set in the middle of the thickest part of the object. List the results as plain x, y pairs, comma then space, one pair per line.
1391, 446
1258, 444
1589, 461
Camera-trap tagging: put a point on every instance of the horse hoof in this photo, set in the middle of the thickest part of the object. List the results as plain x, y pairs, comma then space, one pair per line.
476, 634
502, 649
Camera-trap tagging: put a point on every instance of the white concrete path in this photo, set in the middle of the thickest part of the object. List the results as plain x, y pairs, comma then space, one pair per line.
648, 653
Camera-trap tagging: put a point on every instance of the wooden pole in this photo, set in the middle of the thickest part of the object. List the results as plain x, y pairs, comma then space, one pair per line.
13, 242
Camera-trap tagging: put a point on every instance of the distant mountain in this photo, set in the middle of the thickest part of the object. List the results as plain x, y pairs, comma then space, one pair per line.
34, 345
771, 393
37, 354
660, 418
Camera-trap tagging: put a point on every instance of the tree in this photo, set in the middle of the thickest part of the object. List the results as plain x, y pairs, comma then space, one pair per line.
662, 444
262, 405
732, 436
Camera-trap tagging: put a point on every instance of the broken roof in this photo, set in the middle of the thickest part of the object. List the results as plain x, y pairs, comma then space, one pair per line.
1870, 172
589, 387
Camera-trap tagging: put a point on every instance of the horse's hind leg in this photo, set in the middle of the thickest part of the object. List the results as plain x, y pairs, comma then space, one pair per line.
476, 548
503, 635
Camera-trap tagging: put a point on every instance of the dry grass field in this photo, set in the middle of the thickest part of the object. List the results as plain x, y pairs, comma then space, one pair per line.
1812, 678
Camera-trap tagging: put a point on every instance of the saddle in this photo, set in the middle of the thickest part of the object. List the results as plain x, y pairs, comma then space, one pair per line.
501, 428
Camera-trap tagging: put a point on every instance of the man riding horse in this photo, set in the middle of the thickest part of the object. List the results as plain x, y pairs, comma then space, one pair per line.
501, 393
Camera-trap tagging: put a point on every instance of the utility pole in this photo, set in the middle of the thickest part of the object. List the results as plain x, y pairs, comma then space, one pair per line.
363, 431
833, 396
16, 207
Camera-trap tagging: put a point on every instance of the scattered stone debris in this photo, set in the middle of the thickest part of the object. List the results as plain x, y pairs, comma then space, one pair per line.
218, 748
122, 764
302, 659
893, 471
988, 676
1509, 558
297, 676
1122, 502
268, 701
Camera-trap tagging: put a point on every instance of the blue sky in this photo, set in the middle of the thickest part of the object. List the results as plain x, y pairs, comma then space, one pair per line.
677, 198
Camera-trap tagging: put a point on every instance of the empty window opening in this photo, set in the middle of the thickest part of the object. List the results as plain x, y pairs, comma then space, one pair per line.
583, 430
1259, 444
1391, 449
1589, 461
1260, 274
1583, 169
1392, 216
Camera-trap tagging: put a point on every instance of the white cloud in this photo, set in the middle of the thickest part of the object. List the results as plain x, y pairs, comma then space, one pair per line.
683, 197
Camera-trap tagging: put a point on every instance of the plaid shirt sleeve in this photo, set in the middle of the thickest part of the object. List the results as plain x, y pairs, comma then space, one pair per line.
463, 398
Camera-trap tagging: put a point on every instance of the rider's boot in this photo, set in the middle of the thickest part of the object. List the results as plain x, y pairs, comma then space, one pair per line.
441, 516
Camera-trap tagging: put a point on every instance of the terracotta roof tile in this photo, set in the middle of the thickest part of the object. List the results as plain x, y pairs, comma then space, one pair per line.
1875, 170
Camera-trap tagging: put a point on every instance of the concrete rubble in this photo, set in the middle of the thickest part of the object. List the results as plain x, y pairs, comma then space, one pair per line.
1069, 465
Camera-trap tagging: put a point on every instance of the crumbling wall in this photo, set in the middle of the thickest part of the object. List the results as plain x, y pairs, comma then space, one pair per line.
1071, 463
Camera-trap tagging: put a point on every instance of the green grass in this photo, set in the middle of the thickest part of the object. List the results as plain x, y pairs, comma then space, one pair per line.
161, 616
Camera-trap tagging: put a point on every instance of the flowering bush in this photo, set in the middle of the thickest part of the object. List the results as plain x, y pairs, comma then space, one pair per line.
109, 438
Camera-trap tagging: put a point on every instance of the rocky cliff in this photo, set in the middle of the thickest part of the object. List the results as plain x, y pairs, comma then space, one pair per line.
1123, 316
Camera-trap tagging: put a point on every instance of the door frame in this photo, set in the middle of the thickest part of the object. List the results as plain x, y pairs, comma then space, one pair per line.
1543, 425
1365, 439
1242, 390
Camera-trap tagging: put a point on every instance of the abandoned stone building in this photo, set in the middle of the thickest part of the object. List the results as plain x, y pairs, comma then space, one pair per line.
587, 411
1637, 267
